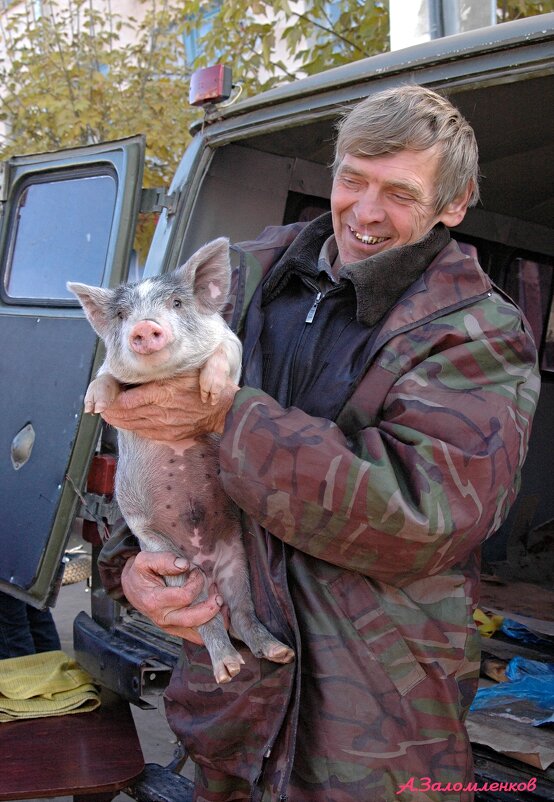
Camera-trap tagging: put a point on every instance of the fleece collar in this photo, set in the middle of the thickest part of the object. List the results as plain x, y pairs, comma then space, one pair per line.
378, 281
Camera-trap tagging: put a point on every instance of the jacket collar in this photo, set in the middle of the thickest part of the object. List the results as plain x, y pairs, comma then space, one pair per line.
382, 279
300, 258
378, 281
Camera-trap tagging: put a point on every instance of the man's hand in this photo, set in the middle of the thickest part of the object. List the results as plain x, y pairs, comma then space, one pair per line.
170, 410
170, 608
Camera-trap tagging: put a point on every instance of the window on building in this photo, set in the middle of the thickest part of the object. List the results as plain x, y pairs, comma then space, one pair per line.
191, 40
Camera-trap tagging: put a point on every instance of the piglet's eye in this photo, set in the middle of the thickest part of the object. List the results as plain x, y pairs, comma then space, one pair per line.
177, 303
121, 314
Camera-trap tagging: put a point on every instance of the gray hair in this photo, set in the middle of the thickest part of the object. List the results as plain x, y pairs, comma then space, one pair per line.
416, 118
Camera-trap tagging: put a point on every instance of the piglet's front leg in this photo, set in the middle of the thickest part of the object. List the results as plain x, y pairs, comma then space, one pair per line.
218, 368
102, 391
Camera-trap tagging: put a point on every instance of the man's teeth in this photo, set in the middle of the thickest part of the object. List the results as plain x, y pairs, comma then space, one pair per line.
367, 240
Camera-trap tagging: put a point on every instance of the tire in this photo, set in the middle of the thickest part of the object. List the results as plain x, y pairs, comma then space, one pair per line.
77, 568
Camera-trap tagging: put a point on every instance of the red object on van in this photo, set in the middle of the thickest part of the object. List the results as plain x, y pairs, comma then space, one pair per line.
210, 85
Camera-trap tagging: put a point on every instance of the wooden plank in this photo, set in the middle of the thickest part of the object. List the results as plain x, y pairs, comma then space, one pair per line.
77, 754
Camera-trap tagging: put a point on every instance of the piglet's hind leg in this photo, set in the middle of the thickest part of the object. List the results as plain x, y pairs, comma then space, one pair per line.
234, 585
258, 638
226, 661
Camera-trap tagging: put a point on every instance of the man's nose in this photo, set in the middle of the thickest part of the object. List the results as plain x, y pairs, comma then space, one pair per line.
370, 208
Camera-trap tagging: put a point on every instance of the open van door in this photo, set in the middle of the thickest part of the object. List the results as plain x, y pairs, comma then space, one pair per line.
65, 216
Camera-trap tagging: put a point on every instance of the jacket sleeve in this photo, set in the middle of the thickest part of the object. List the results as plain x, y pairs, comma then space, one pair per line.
115, 552
418, 490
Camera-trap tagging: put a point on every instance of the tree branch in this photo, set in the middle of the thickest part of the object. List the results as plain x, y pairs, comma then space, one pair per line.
65, 71
331, 31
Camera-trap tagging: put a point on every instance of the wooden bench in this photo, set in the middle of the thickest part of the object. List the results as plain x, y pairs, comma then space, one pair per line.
90, 756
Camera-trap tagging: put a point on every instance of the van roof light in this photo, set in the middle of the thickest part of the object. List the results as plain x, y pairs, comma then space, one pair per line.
210, 85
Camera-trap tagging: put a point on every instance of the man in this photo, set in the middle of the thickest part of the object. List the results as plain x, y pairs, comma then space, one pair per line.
377, 440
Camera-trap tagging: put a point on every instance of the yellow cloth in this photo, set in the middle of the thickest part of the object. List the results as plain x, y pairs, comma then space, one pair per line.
45, 684
487, 623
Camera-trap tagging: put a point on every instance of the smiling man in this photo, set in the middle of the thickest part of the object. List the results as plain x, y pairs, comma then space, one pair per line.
376, 442
388, 201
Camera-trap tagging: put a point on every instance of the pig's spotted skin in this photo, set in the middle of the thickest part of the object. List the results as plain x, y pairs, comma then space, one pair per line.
177, 500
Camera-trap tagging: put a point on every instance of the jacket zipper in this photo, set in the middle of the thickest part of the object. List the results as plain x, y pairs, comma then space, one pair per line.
309, 318
311, 314
320, 295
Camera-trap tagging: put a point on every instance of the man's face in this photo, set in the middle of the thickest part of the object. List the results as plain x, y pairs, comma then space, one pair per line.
382, 202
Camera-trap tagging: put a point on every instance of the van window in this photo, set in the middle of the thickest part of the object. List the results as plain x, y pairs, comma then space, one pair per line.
59, 231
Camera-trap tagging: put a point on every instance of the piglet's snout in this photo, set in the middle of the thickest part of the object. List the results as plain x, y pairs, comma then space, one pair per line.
147, 337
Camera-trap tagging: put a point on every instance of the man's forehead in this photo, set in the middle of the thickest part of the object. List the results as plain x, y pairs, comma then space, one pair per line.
407, 156
416, 168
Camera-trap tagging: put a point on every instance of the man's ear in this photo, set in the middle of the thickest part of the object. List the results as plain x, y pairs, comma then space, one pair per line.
455, 211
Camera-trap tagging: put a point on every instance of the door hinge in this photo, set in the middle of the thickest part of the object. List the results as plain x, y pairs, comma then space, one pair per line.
154, 200
97, 508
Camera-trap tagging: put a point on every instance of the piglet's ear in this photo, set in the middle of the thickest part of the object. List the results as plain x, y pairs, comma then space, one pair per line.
96, 303
209, 272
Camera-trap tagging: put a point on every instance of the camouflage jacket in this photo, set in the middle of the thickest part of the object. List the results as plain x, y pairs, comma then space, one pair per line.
363, 539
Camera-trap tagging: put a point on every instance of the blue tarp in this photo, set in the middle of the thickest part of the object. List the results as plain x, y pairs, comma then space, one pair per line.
530, 681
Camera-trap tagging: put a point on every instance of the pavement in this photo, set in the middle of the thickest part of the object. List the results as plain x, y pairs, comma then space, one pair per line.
157, 740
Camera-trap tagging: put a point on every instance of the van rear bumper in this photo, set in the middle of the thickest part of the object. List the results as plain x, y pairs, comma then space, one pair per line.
121, 663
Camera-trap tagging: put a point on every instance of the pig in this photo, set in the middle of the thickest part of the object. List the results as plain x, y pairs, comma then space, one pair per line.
170, 494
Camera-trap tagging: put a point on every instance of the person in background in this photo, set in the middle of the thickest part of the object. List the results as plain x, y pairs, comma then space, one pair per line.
376, 441
24, 629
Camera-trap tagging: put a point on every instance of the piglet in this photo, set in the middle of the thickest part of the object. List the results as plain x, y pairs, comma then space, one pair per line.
170, 495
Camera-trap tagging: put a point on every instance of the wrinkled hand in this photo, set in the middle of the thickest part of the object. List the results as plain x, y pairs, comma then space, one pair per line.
170, 410
171, 608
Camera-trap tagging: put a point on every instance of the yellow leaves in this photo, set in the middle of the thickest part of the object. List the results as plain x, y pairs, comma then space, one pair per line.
66, 82
515, 9
84, 71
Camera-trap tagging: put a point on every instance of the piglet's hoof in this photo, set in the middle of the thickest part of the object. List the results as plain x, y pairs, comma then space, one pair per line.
227, 668
279, 653
101, 393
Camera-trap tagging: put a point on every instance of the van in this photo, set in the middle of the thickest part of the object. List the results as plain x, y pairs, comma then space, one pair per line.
71, 215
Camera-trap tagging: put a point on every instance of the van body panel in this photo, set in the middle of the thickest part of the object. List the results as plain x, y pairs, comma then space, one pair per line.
68, 216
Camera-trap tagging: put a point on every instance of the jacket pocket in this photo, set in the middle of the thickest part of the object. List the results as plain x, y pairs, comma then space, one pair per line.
359, 603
